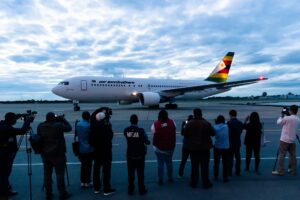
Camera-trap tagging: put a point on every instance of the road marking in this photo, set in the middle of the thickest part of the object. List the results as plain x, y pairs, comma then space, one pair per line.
124, 161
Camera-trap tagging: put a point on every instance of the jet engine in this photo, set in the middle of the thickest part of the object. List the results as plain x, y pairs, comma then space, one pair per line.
150, 98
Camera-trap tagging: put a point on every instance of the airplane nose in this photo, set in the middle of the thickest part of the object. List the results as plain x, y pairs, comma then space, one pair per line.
55, 90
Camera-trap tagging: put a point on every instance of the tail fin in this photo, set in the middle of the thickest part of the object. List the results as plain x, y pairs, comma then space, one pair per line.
221, 71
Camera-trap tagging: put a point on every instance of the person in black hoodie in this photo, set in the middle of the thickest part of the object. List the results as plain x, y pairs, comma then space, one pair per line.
252, 140
101, 140
136, 151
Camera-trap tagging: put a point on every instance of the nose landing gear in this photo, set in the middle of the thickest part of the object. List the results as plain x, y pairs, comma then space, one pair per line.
76, 106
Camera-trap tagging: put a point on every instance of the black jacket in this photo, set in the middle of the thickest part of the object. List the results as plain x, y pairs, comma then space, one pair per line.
235, 128
101, 136
198, 132
136, 141
8, 133
253, 134
52, 137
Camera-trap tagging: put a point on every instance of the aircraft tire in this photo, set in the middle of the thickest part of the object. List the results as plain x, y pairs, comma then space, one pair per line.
76, 108
154, 107
171, 106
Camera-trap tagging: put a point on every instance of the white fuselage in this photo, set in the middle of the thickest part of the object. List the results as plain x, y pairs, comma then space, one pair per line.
101, 89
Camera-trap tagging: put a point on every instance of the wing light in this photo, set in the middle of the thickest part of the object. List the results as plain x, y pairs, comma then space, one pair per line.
261, 78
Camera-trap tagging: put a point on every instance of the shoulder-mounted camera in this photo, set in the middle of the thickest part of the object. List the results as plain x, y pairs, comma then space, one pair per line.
285, 111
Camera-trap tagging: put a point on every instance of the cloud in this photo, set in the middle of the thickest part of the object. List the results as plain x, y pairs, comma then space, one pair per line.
51, 40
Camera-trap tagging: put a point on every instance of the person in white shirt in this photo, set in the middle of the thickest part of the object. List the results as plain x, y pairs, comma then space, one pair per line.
288, 141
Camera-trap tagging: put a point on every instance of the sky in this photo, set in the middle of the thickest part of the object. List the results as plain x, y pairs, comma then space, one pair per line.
45, 41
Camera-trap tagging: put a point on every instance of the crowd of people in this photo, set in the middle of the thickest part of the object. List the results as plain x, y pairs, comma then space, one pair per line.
95, 135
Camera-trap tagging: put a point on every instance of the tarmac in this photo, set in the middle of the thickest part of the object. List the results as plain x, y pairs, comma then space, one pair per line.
247, 186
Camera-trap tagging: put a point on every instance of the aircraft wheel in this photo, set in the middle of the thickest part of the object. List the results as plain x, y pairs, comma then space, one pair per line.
154, 107
171, 106
76, 108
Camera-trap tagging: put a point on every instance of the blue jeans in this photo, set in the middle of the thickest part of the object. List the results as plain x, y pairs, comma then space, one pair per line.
161, 159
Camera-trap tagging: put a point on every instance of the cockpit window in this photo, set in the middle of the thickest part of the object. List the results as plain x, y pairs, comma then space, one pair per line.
64, 83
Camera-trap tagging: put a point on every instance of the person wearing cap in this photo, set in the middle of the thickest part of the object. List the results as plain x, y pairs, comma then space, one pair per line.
101, 140
8, 150
53, 153
136, 151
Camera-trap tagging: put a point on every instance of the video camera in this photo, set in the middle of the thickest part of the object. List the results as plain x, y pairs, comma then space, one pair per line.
28, 115
60, 118
285, 111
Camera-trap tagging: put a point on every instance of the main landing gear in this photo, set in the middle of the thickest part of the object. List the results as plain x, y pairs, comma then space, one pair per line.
171, 106
76, 106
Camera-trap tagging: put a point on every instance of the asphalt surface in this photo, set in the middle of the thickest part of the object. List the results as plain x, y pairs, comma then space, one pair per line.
247, 186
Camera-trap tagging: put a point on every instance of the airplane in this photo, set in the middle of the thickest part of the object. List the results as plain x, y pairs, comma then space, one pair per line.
149, 92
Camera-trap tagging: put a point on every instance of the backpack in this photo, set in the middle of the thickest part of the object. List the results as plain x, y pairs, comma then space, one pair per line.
36, 143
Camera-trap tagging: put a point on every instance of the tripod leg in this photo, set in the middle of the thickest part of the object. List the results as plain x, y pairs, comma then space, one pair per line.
67, 175
275, 164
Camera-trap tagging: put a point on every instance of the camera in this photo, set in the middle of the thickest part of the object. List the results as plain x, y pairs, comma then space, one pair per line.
285, 111
29, 115
107, 111
60, 118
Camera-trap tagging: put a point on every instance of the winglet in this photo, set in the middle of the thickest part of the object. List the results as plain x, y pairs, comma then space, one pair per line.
220, 73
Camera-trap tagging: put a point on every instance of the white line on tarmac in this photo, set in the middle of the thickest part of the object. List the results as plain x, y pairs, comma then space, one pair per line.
124, 161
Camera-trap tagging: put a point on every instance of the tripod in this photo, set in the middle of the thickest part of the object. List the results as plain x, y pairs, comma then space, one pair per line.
29, 157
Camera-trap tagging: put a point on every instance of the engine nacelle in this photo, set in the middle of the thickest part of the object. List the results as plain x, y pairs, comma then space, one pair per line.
150, 98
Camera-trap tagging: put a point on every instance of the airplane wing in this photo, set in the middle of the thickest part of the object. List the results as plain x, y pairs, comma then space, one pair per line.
227, 85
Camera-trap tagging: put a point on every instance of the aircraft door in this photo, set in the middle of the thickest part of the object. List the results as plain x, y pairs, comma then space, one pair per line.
83, 85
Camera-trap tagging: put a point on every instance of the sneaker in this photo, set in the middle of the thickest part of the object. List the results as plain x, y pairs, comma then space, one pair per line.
276, 173
179, 176
109, 191
88, 185
12, 193
96, 191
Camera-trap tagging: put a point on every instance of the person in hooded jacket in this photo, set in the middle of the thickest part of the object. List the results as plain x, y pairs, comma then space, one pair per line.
221, 147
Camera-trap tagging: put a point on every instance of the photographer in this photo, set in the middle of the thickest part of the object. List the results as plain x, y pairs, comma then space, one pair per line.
289, 122
101, 140
53, 152
9, 148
